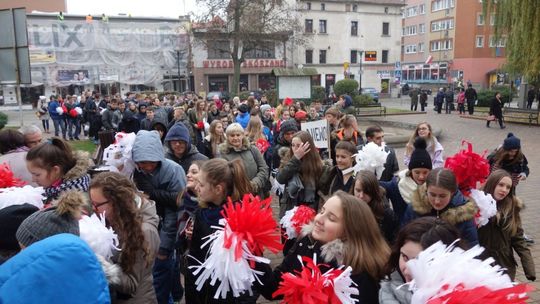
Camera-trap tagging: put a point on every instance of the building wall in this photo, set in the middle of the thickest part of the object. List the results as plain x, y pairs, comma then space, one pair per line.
36, 5
420, 18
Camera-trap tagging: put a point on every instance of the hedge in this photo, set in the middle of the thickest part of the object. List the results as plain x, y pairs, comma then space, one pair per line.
362, 100
346, 86
318, 93
486, 96
3, 120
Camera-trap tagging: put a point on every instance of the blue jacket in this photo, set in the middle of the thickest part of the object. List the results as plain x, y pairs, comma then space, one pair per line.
59, 269
460, 212
52, 110
243, 119
392, 193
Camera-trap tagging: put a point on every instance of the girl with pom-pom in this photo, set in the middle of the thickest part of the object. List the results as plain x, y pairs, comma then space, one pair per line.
434, 147
135, 220
57, 168
402, 187
440, 197
218, 179
411, 240
367, 189
503, 234
336, 239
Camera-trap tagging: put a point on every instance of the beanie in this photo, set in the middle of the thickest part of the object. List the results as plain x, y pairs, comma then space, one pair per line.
511, 142
264, 108
179, 131
300, 115
10, 219
63, 218
420, 157
287, 126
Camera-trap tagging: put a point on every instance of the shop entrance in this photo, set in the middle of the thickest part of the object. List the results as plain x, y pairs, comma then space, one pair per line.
218, 83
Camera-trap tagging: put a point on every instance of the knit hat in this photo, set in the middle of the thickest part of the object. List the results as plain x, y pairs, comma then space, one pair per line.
179, 131
264, 108
300, 115
511, 142
243, 108
288, 125
63, 218
420, 157
10, 219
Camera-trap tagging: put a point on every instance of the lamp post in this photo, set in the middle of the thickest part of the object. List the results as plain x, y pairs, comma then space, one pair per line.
361, 55
178, 67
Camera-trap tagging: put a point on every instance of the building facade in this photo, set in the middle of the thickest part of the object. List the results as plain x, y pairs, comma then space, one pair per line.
445, 42
351, 39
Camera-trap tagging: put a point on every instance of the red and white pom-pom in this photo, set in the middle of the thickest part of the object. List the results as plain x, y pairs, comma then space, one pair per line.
95, 233
59, 110
262, 145
79, 110
469, 168
310, 285
21, 195
247, 229
487, 207
294, 219
372, 158
119, 153
442, 272
8, 179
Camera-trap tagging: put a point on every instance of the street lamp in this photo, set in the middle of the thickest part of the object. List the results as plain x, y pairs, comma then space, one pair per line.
361, 55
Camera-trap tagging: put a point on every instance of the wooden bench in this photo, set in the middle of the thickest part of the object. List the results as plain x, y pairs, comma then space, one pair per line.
371, 110
530, 114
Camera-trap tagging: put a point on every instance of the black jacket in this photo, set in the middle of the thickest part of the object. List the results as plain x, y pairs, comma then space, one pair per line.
496, 108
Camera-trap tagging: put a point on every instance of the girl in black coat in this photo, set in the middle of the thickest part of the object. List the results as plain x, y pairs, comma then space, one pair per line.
335, 238
495, 109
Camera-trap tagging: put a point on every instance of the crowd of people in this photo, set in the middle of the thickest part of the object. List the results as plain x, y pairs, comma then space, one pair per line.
192, 156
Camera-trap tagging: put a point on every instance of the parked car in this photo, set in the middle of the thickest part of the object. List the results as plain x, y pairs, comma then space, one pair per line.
371, 92
223, 95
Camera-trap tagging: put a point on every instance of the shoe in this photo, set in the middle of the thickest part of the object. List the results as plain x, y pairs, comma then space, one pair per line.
76, 138
528, 239
503, 127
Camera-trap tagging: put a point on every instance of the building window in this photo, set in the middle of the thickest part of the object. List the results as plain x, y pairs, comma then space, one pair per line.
309, 56
421, 47
422, 9
322, 56
442, 25
354, 56
422, 28
497, 43
479, 19
323, 7
492, 19
438, 5
354, 28
308, 6
409, 30
386, 29
480, 41
441, 45
410, 49
263, 49
219, 49
355, 8
322, 26
309, 25
384, 58
411, 11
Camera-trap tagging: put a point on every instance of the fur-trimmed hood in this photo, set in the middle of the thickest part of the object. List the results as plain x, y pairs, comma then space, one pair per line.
81, 166
460, 209
330, 252
226, 148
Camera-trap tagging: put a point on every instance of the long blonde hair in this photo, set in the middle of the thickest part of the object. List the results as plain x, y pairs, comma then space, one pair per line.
254, 130
509, 207
431, 140
216, 139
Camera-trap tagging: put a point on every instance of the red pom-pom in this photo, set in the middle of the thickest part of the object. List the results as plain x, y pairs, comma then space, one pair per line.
262, 144
7, 179
516, 294
200, 125
303, 215
469, 168
251, 221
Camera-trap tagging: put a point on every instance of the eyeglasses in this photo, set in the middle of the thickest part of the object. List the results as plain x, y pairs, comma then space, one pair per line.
97, 205
424, 128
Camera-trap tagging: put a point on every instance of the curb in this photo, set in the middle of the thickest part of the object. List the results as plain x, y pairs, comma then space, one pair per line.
507, 122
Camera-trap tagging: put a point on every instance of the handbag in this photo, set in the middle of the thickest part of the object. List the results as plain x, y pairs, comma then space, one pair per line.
490, 118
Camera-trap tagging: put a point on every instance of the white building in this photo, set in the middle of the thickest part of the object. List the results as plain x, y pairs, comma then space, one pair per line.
340, 30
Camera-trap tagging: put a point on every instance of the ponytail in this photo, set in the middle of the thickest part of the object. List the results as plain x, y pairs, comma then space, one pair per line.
239, 184
53, 152
232, 174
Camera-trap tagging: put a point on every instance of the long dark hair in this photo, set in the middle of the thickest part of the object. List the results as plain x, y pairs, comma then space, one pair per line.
509, 207
54, 152
370, 186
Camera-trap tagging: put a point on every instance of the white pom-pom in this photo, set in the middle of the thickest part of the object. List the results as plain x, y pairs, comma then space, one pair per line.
371, 158
101, 239
277, 188
486, 204
59, 110
439, 269
220, 266
21, 195
102, 111
286, 223
119, 153
78, 110
344, 287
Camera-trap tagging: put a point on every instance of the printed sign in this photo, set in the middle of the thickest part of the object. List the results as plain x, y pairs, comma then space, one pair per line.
319, 131
370, 56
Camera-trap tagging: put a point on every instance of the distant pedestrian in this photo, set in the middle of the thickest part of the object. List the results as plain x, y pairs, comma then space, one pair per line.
423, 100
43, 113
530, 97
495, 110
461, 101
471, 97
449, 101
414, 99
439, 100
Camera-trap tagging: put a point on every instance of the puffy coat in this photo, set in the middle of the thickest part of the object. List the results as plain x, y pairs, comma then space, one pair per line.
393, 291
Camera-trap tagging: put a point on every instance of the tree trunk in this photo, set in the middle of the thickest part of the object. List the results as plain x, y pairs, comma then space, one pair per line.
236, 76
236, 57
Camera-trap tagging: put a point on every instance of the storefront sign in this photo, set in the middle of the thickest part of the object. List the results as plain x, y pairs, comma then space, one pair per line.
370, 56
249, 63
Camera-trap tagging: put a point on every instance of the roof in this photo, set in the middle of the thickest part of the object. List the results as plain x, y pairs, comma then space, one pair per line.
295, 72
381, 2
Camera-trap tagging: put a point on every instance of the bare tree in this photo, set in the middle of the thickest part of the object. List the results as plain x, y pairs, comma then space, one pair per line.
237, 27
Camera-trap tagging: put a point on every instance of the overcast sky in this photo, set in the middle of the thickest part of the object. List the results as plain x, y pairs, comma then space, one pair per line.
147, 8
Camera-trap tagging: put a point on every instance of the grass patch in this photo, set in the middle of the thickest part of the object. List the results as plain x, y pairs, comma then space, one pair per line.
84, 145
394, 110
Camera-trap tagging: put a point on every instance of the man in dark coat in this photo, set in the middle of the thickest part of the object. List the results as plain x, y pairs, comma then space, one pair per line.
471, 97
180, 149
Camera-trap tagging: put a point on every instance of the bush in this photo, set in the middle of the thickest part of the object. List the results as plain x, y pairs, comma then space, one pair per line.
486, 96
318, 93
3, 120
271, 95
362, 101
346, 86
243, 95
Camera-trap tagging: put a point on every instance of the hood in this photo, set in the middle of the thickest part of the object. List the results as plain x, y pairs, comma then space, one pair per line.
179, 132
61, 258
147, 147
331, 251
460, 209
128, 116
226, 148
84, 162
348, 101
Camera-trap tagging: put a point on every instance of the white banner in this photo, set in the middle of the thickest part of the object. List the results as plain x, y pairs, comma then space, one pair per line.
319, 131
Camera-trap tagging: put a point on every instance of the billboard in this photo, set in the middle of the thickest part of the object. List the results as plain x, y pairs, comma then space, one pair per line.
73, 76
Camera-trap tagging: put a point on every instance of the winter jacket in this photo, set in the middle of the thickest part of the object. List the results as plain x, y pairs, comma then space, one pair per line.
337, 182
243, 119
161, 114
399, 191
129, 123
500, 244
137, 287
393, 292
111, 119
53, 105
515, 169
180, 132
256, 168
60, 269
16, 160
348, 106
163, 185
460, 212
470, 94
329, 254
495, 108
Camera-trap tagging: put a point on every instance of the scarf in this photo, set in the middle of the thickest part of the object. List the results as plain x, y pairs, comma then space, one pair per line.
406, 186
81, 183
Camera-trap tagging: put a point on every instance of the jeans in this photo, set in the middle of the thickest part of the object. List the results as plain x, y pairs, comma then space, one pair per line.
74, 128
45, 123
448, 107
470, 106
59, 125
461, 107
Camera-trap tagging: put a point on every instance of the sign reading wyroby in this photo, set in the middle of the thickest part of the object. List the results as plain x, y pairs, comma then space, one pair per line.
319, 131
